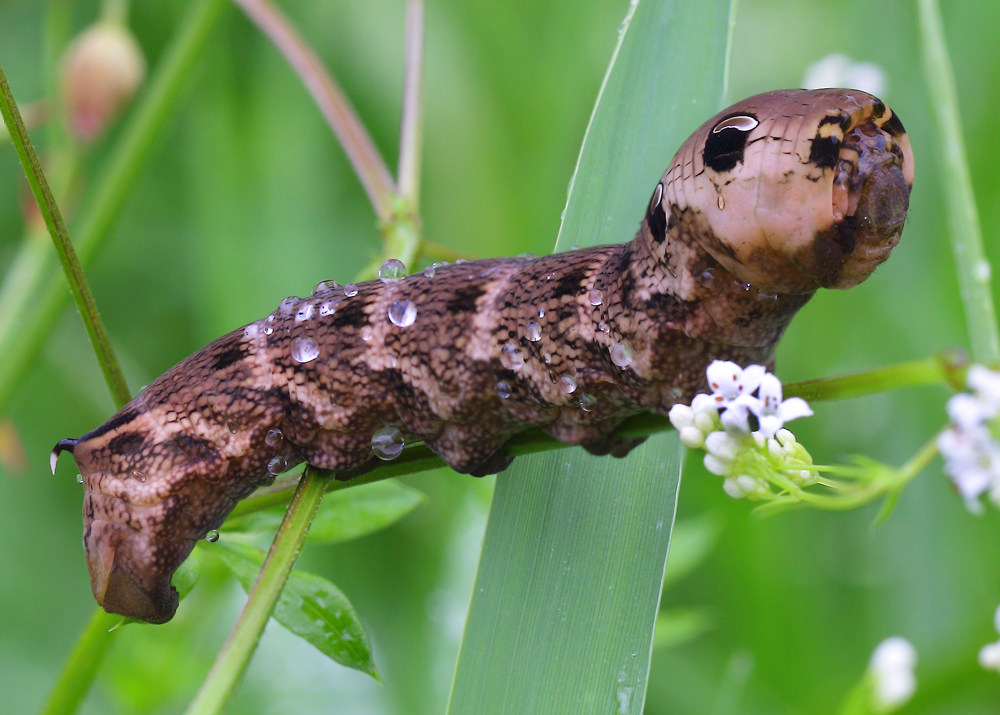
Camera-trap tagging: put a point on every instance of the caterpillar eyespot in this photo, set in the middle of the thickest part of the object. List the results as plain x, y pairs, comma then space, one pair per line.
464, 356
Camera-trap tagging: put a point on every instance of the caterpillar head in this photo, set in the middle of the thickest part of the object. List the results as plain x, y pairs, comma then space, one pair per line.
792, 190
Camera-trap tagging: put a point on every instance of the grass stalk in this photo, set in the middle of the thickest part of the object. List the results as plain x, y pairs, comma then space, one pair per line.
22, 338
332, 102
82, 665
411, 133
963, 220
233, 659
78, 284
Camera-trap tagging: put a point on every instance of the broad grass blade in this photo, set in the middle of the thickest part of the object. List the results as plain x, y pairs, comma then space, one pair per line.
564, 606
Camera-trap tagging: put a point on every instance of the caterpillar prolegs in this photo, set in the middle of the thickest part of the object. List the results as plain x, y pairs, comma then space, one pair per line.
771, 199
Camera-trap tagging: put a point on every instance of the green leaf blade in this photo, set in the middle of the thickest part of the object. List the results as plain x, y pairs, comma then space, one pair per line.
310, 607
567, 593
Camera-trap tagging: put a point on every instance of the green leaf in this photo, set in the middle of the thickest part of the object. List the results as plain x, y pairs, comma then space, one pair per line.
310, 607
567, 592
186, 577
345, 514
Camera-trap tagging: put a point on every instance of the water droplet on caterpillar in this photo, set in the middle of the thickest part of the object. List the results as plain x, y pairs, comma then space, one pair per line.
305, 312
677, 393
277, 465
587, 402
568, 383
232, 426
533, 332
136, 474
574, 247
328, 308
272, 437
541, 312
721, 202
212, 536
350, 290
304, 350
326, 287
430, 270
366, 333
707, 278
288, 305
251, 330
622, 354
602, 326
503, 390
767, 297
79, 479
391, 270
387, 443
596, 297
525, 255
510, 356
402, 313
740, 285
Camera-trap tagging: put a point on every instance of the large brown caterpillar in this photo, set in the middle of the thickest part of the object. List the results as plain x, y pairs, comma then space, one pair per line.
771, 199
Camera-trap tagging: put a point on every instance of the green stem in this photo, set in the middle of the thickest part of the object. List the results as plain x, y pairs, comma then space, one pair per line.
963, 220
233, 659
419, 458
411, 133
82, 665
332, 102
64, 247
22, 338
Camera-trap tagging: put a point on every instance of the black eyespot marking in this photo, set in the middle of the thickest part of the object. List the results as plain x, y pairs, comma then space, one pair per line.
894, 126
825, 151
724, 145
878, 109
656, 217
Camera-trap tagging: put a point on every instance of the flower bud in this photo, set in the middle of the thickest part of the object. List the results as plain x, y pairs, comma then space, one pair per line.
102, 70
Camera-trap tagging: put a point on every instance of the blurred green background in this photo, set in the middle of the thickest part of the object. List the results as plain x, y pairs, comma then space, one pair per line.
248, 198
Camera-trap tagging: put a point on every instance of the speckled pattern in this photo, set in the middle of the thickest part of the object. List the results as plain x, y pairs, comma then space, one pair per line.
572, 343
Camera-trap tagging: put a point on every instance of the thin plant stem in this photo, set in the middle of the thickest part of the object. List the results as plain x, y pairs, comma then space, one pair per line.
233, 659
82, 665
419, 458
333, 103
411, 133
64, 247
963, 220
40, 301
34, 114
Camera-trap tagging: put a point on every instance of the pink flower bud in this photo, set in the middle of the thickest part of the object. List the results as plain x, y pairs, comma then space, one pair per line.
102, 70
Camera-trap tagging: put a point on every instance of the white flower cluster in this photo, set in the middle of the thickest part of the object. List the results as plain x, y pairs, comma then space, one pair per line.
970, 446
891, 667
748, 460
989, 655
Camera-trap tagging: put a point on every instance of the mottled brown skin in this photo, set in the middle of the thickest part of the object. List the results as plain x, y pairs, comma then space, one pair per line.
814, 193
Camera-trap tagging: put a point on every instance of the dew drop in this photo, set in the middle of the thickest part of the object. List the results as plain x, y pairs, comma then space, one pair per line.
402, 313
268, 329
251, 330
232, 426
677, 393
79, 479
721, 202
587, 402
741, 285
574, 247
460, 261
541, 312
596, 297
326, 287
136, 474
328, 308
305, 312
707, 278
276, 465
212, 536
286, 306
387, 443
366, 333
547, 358
510, 356
621, 354
525, 255
568, 383
602, 326
767, 297
304, 350
503, 389
350, 290
533, 332
272, 437
391, 270
429, 271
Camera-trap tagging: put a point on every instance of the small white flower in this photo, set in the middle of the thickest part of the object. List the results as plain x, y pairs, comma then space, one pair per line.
728, 380
972, 460
722, 445
736, 418
966, 411
892, 665
681, 416
986, 383
772, 411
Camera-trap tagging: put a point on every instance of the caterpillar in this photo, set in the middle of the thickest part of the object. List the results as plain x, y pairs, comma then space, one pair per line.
773, 198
